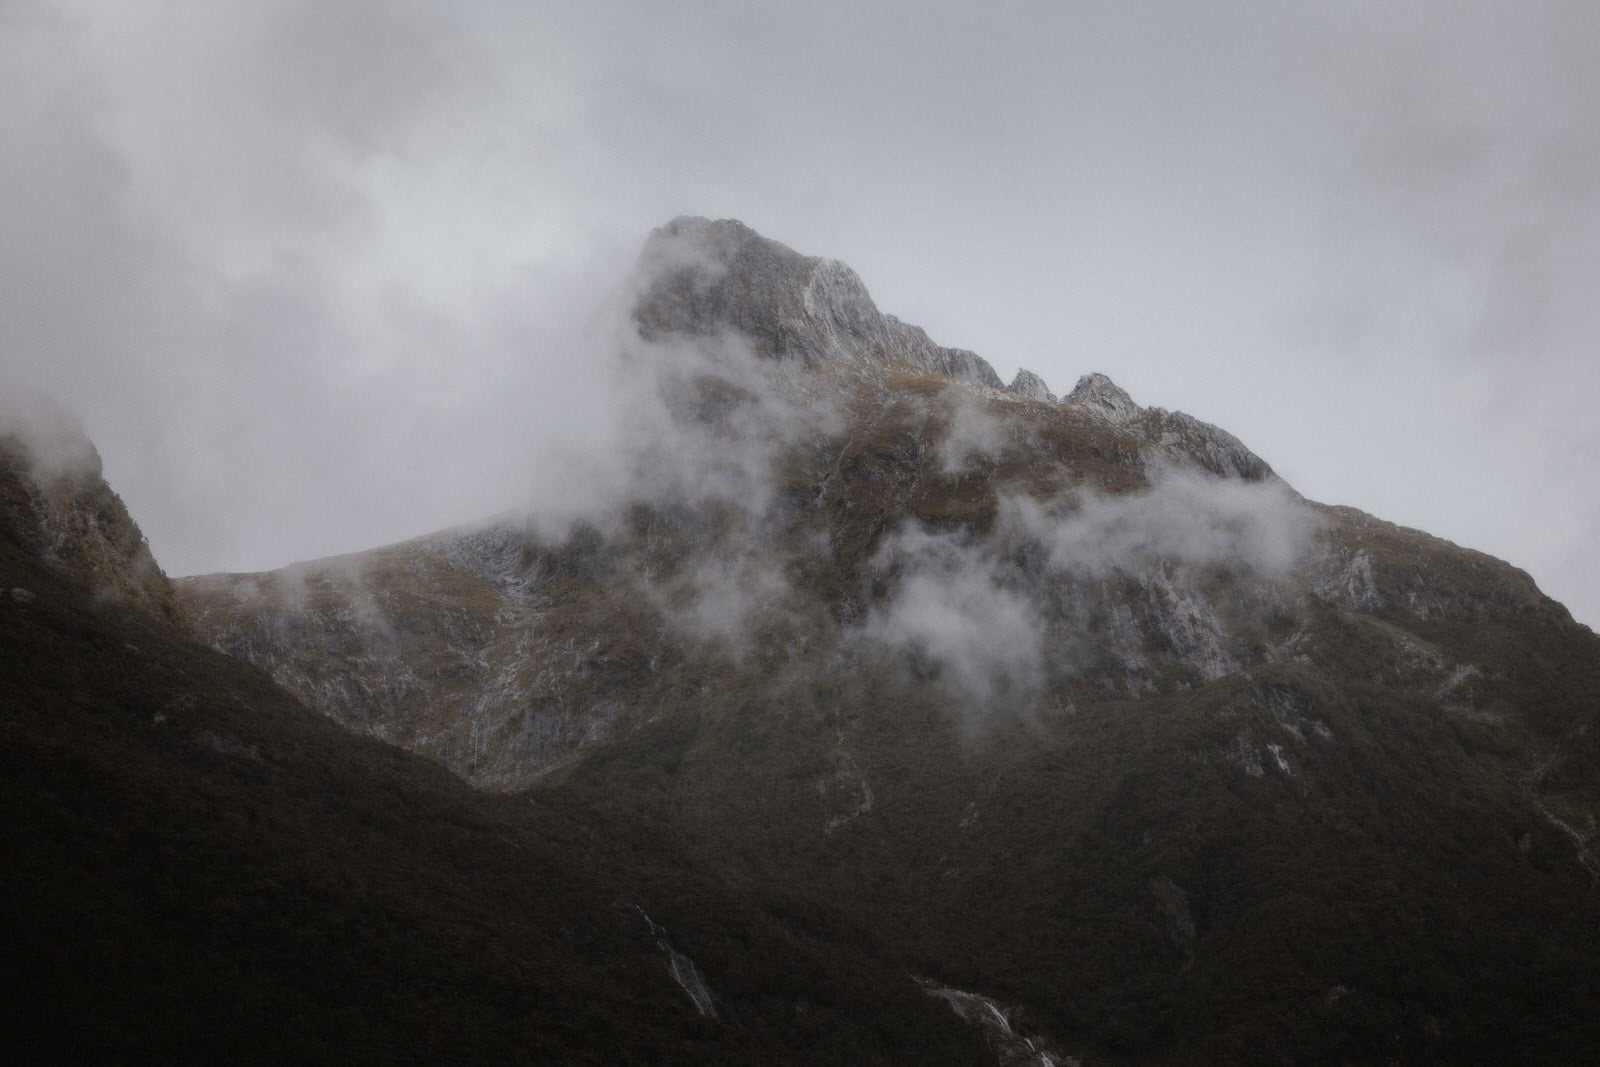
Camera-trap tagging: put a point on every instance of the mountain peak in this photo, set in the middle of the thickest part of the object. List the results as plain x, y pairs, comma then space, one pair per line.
1030, 385
1173, 436
702, 278
1104, 397
699, 277
56, 508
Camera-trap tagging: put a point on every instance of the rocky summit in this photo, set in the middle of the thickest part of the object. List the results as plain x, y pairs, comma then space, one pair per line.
700, 277
955, 720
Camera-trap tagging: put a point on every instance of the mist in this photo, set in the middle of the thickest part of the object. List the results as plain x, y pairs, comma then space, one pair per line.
321, 278
959, 614
51, 437
1185, 518
970, 612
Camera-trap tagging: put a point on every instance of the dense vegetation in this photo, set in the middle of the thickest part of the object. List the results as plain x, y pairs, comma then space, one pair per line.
199, 869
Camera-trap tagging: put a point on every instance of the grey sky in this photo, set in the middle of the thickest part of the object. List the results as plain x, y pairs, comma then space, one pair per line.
322, 275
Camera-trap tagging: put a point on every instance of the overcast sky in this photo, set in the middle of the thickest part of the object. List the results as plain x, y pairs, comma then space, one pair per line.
318, 275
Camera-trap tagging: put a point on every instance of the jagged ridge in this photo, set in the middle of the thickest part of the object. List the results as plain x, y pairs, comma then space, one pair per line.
702, 278
711, 276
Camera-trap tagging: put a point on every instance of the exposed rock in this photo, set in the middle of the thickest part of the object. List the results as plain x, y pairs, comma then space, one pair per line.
701, 278
1348, 580
1030, 385
1186, 438
1172, 435
1101, 396
55, 505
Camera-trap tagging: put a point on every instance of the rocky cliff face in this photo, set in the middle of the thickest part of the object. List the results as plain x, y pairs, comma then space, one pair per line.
54, 505
1074, 702
703, 278
1030, 385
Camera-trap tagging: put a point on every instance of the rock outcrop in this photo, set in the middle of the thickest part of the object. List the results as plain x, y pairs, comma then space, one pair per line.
701, 278
1030, 385
1101, 396
56, 506
1172, 436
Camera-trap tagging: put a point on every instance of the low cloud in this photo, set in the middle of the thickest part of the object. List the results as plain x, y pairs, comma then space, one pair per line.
953, 612
1183, 518
51, 437
974, 614
693, 416
727, 601
700, 422
706, 420
973, 434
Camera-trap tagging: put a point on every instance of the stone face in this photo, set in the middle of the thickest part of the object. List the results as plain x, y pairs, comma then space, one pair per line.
459, 646
1030, 385
1100, 395
702, 278
1172, 436
57, 507
1214, 449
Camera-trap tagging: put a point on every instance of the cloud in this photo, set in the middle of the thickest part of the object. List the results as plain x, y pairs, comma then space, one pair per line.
1184, 518
51, 437
953, 612
252, 133
991, 617
974, 433
203, 274
308, 272
729, 601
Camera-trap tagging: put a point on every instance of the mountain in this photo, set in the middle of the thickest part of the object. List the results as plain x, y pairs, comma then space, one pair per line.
703, 277
58, 509
500, 652
198, 868
1067, 718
